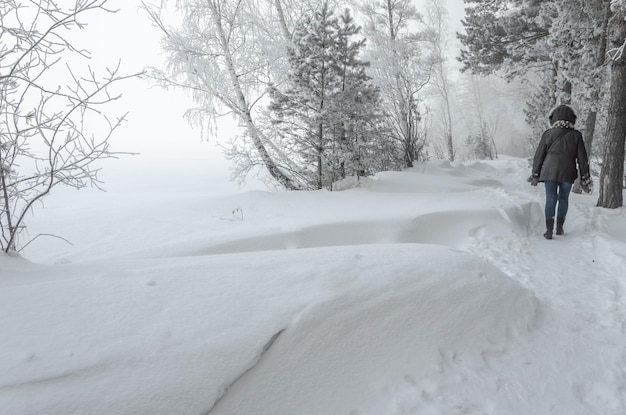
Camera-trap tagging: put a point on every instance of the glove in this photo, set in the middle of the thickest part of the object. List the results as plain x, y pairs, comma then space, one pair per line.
586, 183
533, 179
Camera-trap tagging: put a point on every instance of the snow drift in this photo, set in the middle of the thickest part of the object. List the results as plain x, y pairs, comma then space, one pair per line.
179, 336
429, 291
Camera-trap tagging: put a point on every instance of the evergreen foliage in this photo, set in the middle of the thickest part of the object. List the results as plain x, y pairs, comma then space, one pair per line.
327, 111
570, 40
558, 45
480, 145
503, 35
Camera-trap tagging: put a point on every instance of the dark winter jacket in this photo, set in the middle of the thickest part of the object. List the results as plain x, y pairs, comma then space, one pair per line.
557, 153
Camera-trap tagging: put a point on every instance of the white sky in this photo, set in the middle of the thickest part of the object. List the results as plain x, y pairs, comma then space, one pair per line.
155, 129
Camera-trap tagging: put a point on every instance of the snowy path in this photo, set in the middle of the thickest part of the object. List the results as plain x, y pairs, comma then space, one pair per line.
570, 364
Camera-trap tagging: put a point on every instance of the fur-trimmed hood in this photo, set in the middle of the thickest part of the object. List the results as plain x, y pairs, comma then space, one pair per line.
562, 124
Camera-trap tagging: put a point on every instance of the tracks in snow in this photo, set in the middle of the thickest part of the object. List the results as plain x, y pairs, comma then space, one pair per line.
579, 277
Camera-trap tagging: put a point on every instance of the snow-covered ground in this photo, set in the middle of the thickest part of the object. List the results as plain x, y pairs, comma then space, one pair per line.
428, 291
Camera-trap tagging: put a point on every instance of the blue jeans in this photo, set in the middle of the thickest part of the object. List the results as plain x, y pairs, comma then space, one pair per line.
557, 192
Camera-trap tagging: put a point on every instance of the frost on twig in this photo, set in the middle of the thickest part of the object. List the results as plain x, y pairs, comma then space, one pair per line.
617, 53
53, 126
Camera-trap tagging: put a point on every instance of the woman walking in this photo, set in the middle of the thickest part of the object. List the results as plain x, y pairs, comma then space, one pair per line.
561, 147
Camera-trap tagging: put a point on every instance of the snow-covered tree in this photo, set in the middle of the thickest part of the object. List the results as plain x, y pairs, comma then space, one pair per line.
578, 39
436, 22
504, 35
482, 114
53, 123
327, 111
578, 36
560, 44
479, 145
226, 54
401, 68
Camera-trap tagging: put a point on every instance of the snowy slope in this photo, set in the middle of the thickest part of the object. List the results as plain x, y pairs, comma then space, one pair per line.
429, 291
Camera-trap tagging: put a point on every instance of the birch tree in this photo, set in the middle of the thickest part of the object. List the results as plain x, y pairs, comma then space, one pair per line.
223, 53
53, 125
437, 16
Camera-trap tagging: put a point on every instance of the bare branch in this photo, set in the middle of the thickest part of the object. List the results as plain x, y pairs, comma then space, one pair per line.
45, 138
43, 234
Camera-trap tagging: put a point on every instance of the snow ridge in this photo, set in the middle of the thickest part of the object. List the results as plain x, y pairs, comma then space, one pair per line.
266, 347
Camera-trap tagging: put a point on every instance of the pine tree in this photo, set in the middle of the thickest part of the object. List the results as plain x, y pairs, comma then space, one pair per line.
328, 110
503, 35
561, 44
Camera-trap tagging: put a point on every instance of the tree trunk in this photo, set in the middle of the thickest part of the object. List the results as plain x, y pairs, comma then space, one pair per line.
282, 20
592, 117
612, 174
590, 130
7, 209
447, 112
244, 109
320, 151
392, 33
567, 93
403, 106
588, 133
271, 166
450, 146
553, 77
407, 137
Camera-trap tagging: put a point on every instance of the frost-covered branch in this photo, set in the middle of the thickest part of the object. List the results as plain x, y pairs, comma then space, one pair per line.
46, 137
616, 54
223, 54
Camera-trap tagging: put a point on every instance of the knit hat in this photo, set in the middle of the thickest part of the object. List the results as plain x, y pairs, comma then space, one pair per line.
562, 113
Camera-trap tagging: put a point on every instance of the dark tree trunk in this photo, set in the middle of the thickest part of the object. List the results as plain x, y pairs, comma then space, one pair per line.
320, 151
590, 130
612, 174
567, 93
592, 116
553, 86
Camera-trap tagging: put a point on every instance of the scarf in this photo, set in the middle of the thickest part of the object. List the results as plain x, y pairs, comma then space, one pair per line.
563, 124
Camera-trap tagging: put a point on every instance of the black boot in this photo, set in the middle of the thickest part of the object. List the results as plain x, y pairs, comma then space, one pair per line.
559, 225
549, 226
